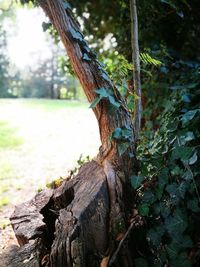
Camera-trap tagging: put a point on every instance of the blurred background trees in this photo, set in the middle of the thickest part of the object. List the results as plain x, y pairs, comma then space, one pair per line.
45, 77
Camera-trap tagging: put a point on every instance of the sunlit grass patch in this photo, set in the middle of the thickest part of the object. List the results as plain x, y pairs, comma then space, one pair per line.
4, 201
53, 105
6, 170
4, 223
8, 137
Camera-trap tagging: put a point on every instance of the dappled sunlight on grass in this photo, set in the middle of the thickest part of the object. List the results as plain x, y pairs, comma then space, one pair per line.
8, 136
53, 135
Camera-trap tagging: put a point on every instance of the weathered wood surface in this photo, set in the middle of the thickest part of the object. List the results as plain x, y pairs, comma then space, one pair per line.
69, 223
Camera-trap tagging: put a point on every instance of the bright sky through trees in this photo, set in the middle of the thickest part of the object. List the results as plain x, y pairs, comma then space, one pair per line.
27, 43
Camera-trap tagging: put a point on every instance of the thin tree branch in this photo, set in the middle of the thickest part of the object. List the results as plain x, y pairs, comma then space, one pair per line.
136, 221
136, 68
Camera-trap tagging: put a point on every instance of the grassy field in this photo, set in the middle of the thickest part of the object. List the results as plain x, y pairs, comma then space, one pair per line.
41, 140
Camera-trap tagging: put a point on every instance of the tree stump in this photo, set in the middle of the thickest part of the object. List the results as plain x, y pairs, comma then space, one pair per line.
67, 226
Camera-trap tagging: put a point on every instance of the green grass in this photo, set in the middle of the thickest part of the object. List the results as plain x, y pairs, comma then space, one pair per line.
40, 140
4, 201
53, 105
8, 137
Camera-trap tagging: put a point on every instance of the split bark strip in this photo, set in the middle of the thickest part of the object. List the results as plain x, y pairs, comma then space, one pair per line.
136, 68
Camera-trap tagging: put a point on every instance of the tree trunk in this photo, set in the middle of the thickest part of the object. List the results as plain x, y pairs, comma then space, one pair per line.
78, 223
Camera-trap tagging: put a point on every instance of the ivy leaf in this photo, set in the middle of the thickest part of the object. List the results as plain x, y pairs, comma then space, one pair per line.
187, 176
182, 189
105, 77
46, 26
183, 153
149, 197
117, 134
172, 249
155, 235
176, 223
188, 116
193, 159
182, 260
102, 92
67, 5
127, 133
186, 137
141, 262
193, 205
172, 189
113, 101
163, 178
136, 181
185, 242
122, 147
143, 209
76, 35
95, 102
186, 98
86, 57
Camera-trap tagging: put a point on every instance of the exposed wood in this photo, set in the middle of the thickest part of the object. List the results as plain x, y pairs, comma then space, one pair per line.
70, 220
136, 68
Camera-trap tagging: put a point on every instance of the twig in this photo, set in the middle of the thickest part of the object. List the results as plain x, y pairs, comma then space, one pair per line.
114, 256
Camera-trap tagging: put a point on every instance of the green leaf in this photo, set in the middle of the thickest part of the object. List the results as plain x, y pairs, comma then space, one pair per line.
187, 176
46, 26
117, 134
186, 98
86, 57
186, 137
102, 92
176, 223
185, 242
149, 197
193, 205
143, 209
188, 116
105, 76
95, 102
182, 260
155, 235
67, 5
182, 189
181, 152
193, 159
76, 35
136, 181
172, 249
126, 133
172, 189
122, 147
141, 262
113, 101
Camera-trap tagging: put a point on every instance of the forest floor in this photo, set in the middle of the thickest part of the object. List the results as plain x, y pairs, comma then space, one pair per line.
40, 141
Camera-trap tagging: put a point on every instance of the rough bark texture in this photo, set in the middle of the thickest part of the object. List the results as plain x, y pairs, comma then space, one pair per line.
136, 67
77, 224
68, 225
